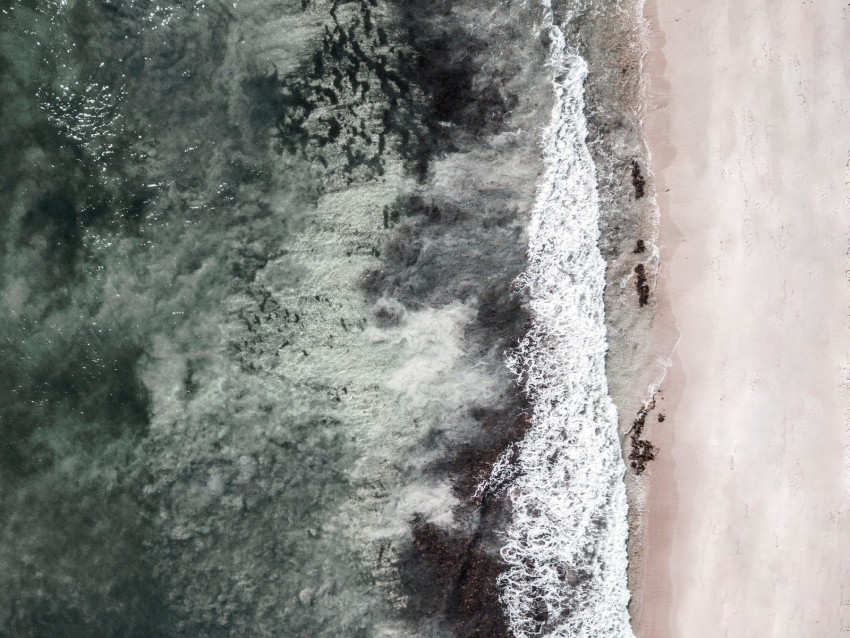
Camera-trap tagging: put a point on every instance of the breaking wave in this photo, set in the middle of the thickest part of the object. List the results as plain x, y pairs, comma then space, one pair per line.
566, 545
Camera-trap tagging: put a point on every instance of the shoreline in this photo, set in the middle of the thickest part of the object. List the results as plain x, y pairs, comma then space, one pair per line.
746, 504
643, 399
646, 542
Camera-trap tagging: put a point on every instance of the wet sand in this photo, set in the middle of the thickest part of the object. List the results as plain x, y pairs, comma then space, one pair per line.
747, 523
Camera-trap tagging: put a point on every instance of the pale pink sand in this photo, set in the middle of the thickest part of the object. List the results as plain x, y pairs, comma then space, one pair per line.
748, 514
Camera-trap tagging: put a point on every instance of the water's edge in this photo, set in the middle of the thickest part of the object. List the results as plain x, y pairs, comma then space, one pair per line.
566, 543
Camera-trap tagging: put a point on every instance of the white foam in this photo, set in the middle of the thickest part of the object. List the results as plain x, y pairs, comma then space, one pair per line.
566, 545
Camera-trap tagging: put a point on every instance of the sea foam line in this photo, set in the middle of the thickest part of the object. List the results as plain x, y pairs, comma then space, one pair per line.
566, 545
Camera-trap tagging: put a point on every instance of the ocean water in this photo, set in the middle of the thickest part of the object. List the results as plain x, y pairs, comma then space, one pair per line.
270, 270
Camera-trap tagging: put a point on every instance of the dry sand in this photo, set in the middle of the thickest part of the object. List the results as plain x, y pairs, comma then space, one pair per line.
748, 120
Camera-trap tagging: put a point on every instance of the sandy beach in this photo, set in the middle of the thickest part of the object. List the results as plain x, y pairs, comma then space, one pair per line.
747, 522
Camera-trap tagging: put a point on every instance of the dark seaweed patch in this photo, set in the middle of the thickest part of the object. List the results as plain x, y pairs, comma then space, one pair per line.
500, 430
357, 76
439, 251
447, 69
641, 284
451, 577
638, 180
642, 451
502, 308
385, 86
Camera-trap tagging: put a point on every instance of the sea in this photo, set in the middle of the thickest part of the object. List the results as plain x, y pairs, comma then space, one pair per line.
320, 318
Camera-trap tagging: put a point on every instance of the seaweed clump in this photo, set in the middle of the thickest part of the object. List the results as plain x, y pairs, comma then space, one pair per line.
453, 576
642, 450
641, 284
638, 180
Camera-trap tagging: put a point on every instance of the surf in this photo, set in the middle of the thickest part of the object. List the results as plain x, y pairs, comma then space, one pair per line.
565, 548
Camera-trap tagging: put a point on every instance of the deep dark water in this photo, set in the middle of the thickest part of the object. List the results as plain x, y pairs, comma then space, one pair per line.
172, 462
